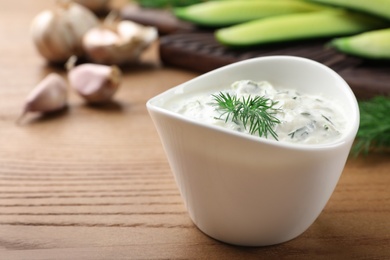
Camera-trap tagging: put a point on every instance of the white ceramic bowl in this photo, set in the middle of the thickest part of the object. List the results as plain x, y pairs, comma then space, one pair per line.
247, 190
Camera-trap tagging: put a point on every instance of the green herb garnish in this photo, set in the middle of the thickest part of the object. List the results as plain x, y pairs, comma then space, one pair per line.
255, 113
374, 129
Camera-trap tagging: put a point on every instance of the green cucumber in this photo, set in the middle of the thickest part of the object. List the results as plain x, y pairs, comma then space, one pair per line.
376, 7
372, 45
297, 27
225, 13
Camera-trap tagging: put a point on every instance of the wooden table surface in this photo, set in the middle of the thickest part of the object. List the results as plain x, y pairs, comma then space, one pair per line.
94, 183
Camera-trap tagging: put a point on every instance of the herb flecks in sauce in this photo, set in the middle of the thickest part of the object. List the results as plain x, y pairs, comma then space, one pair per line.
258, 108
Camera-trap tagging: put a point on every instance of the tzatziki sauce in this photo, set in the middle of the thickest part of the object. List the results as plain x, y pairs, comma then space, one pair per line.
306, 119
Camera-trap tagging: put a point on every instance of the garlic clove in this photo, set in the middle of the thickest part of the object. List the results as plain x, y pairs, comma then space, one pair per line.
100, 46
49, 95
95, 83
142, 37
57, 33
118, 43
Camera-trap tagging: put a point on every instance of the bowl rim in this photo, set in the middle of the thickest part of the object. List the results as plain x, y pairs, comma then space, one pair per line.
345, 138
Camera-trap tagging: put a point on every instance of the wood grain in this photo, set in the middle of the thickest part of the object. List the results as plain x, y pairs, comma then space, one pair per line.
94, 182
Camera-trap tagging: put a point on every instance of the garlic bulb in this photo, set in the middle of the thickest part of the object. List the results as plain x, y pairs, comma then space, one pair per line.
96, 6
95, 83
49, 95
57, 33
118, 42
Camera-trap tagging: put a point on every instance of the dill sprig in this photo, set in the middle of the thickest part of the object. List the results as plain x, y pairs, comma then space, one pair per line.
255, 113
374, 129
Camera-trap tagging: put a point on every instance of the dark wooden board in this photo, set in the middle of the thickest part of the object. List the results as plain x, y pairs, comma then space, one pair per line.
185, 46
200, 52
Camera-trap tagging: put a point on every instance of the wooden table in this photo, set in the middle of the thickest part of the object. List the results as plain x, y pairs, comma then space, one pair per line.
94, 183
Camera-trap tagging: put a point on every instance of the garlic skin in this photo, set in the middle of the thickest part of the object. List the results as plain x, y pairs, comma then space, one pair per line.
95, 83
57, 33
118, 43
96, 6
49, 95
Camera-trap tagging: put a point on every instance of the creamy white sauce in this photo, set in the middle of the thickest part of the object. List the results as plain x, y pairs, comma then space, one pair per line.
308, 119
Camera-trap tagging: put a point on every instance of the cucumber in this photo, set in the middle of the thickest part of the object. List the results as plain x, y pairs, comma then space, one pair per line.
299, 26
372, 45
226, 13
376, 7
